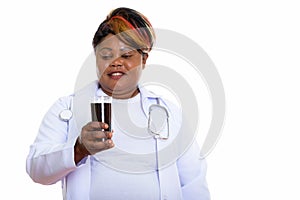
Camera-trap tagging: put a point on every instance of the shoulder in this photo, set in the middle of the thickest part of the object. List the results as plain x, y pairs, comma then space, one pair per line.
62, 103
66, 101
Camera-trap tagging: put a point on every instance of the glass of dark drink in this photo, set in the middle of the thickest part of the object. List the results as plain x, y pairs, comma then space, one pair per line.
101, 110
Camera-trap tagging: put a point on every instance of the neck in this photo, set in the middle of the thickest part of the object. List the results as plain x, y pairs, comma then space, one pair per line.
125, 95
121, 95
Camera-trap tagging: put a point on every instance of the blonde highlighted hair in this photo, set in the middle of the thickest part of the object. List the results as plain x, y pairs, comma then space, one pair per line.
130, 26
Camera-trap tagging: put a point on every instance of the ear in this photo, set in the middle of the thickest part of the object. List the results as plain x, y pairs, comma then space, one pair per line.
144, 57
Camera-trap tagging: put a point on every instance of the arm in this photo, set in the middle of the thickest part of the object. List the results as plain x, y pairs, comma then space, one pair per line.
51, 156
192, 174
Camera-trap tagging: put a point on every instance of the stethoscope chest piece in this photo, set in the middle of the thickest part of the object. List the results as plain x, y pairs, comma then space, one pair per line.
65, 115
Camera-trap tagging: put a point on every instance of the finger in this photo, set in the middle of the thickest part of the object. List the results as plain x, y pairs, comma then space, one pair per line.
97, 146
109, 144
109, 134
94, 135
95, 126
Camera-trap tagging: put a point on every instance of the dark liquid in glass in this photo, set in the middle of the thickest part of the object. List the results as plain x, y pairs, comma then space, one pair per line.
97, 109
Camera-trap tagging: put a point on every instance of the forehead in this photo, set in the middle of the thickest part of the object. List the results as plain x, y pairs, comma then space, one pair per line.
112, 42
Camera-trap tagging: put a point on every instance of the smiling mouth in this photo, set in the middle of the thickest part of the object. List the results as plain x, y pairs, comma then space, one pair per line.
116, 75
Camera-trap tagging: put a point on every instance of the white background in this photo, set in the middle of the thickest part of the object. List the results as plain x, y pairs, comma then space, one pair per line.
255, 46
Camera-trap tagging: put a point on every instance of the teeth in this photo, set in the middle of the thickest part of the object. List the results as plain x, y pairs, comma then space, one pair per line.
117, 74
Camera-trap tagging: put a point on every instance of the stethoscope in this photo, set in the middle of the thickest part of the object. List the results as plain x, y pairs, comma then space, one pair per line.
158, 127
65, 115
158, 120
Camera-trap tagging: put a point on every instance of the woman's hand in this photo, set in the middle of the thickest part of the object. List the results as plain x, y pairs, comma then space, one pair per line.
92, 140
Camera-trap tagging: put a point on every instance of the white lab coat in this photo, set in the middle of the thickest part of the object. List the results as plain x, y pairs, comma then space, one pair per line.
51, 156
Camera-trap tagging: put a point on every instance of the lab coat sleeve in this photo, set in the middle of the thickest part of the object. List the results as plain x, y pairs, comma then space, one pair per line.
192, 174
51, 156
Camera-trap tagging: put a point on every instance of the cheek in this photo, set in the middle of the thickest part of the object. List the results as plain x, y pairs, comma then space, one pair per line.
137, 71
101, 66
135, 64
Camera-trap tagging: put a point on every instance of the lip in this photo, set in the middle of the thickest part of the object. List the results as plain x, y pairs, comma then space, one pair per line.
116, 75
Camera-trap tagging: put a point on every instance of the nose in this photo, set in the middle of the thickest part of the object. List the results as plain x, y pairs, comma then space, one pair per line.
118, 62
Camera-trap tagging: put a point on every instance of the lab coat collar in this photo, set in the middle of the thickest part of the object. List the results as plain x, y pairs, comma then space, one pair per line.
146, 93
147, 99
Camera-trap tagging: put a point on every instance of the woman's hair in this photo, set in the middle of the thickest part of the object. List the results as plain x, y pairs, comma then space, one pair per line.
130, 26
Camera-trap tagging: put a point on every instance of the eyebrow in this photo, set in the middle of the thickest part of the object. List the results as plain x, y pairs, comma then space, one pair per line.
127, 48
121, 49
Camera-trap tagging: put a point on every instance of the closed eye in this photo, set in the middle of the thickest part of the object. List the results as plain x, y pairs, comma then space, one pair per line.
106, 57
126, 56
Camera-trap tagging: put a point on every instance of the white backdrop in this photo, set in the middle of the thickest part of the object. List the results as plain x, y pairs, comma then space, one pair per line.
255, 46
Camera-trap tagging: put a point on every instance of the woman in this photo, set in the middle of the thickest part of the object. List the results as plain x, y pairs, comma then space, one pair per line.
90, 162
